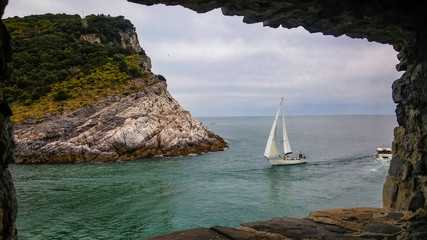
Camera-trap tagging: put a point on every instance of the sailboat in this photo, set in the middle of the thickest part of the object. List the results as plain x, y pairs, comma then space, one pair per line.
272, 151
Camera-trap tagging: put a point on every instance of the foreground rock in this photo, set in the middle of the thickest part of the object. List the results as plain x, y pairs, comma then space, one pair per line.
346, 223
145, 124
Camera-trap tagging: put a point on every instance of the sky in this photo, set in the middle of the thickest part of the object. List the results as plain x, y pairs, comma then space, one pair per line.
216, 65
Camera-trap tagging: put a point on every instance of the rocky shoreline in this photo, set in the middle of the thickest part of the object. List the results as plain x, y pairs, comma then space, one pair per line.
144, 124
345, 223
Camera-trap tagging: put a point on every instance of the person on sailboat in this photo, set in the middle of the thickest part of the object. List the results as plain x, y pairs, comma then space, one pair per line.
300, 155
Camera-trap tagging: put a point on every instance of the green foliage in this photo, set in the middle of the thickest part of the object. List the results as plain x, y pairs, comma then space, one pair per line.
107, 27
55, 69
161, 78
60, 95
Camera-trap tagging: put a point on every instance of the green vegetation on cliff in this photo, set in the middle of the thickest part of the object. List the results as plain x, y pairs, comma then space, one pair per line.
63, 62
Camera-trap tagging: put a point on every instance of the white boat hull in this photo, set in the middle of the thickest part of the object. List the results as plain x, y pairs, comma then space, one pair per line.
288, 161
384, 156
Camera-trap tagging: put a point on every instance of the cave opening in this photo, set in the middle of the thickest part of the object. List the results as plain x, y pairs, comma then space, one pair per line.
405, 184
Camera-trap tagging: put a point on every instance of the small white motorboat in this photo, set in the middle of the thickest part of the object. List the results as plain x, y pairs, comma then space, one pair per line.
384, 153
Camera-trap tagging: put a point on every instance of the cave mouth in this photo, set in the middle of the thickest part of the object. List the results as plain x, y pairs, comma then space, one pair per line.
399, 24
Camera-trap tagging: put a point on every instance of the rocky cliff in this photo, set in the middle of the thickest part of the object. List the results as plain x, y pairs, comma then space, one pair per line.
105, 105
144, 124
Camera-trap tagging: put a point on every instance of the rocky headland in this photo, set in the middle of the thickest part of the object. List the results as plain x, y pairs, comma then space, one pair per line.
106, 104
144, 124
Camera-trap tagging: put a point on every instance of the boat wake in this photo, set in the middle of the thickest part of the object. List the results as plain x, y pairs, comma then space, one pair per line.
342, 160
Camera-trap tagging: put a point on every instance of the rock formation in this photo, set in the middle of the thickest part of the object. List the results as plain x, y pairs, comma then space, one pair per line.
128, 39
136, 117
144, 124
346, 223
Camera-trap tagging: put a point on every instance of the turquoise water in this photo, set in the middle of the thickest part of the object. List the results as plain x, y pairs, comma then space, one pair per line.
150, 197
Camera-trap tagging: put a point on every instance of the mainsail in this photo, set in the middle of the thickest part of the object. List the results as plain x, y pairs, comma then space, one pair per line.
271, 149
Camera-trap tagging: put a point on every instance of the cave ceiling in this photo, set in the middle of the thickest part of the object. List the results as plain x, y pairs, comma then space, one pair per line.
391, 22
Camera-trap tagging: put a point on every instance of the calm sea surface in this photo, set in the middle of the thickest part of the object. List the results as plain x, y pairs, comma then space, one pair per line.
150, 197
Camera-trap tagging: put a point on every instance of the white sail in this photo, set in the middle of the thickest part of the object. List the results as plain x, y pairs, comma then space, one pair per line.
286, 146
271, 149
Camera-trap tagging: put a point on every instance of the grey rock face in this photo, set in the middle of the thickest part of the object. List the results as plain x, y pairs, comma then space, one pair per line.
143, 124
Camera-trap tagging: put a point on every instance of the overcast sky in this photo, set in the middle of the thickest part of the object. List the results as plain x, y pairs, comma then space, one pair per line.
217, 65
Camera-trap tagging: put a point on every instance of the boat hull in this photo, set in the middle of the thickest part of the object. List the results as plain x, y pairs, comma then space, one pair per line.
384, 156
288, 161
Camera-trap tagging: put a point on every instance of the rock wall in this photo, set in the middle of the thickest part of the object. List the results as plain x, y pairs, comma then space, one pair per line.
91, 37
406, 184
8, 203
402, 24
130, 38
144, 124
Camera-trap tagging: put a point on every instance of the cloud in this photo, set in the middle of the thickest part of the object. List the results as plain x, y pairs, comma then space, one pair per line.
204, 49
217, 65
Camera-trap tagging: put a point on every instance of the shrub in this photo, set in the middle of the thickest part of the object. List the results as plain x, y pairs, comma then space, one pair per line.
61, 95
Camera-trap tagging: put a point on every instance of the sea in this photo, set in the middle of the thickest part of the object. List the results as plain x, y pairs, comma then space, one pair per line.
150, 197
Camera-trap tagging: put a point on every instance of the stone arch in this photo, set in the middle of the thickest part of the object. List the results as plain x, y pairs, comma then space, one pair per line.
400, 23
